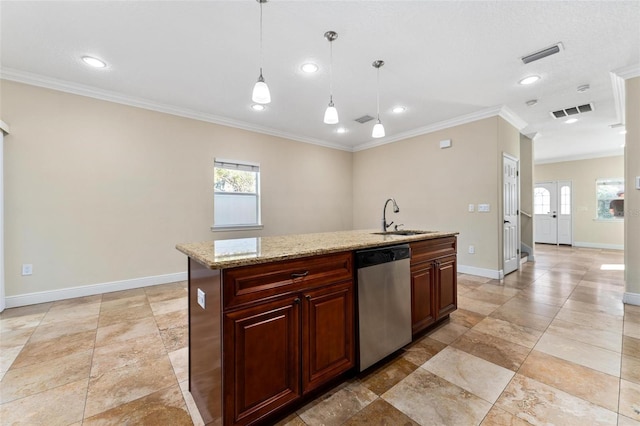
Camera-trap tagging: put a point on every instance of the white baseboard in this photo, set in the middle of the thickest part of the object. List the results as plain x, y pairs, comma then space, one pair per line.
631, 298
90, 290
599, 245
481, 272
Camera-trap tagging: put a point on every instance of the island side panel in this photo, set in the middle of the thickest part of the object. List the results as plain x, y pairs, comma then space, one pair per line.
205, 344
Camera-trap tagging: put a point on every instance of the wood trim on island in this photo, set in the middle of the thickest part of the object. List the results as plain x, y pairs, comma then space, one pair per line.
271, 336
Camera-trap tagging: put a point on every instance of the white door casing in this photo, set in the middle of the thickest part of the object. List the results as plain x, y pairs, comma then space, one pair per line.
510, 205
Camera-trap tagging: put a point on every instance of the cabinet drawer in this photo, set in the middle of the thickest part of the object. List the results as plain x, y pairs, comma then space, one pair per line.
250, 283
424, 251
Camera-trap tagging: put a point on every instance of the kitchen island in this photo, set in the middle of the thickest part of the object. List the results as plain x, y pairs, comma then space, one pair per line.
272, 320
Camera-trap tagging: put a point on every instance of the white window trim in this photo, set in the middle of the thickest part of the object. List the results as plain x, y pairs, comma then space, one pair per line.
246, 166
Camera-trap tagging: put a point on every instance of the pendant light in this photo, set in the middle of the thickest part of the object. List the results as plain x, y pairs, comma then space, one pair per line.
378, 128
331, 114
261, 93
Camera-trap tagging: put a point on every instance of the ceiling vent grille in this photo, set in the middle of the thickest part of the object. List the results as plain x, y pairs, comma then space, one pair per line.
551, 50
364, 119
580, 109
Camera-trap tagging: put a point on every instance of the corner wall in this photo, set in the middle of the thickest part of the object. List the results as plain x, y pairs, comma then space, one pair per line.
632, 195
98, 193
433, 188
526, 194
587, 231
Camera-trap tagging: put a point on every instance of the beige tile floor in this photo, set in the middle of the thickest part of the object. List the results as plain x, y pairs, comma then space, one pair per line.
550, 344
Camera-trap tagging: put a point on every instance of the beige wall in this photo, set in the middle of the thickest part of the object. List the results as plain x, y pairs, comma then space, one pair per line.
526, 192
632, 195
97, 192
433, 186
583, 174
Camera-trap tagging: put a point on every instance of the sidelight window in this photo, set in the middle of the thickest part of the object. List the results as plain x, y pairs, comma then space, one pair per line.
236, 195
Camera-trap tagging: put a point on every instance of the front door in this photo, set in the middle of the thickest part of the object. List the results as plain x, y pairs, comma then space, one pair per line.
552, 212
511, 233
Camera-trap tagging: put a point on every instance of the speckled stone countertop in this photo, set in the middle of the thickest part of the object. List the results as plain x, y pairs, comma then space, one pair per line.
222, 254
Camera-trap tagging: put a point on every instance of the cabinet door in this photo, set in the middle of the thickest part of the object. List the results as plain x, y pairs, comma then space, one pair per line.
261, 359
446, 280
328, 342
422, 296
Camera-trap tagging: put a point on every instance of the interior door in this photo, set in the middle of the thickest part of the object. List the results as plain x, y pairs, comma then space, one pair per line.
511, 233
545, 212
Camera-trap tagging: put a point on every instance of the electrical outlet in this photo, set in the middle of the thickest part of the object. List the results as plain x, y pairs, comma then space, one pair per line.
201, 298
472, 250
27, 269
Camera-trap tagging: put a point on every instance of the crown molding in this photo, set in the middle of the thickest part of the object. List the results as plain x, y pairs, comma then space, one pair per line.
612, 153
457, 121
105, 95
628, 72
512, 118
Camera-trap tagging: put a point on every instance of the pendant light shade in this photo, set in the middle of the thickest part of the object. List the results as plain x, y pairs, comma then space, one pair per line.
378, 128
261, 94
331, 113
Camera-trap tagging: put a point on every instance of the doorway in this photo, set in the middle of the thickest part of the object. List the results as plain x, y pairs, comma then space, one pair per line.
552, 211
511, 220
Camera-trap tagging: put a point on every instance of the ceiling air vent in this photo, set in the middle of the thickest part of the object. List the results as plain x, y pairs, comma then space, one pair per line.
581, 109
364, 119
551, 50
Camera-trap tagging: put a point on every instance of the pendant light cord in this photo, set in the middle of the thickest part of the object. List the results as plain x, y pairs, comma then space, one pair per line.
330, 71
260, 38
378, 94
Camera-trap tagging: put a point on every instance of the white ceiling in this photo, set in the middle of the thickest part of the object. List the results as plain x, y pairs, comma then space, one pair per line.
445, 61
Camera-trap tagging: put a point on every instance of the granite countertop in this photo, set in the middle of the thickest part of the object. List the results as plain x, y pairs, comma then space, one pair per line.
222, 254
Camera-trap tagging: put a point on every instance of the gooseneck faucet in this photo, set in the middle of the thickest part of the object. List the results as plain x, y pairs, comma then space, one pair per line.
396, 209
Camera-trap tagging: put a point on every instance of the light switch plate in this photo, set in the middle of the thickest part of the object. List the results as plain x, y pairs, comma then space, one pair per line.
637, 182
472, 208
484, 207
201, 298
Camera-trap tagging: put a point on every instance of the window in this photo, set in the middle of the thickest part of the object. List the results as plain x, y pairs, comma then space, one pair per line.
541, 201
565, 200
236, 195
610, 198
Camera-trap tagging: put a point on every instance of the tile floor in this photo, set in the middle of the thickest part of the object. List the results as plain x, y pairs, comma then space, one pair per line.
550, 344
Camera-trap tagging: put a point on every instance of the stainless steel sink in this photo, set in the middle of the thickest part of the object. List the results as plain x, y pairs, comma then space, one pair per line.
404, 232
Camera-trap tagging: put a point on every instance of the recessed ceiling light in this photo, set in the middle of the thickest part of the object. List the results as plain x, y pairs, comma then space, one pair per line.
583, 88
571, 120
94, 62
529, 80
309, 67
341, 130
531, 102
257, 107
399, 109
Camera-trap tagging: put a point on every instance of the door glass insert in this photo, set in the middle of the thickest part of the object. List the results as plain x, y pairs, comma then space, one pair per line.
541, 201
565, 200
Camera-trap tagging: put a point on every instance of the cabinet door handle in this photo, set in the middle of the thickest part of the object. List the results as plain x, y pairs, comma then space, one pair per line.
299, 274
307, 297
296, 300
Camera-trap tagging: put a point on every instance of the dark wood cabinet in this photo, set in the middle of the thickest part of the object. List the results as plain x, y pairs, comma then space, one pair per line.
280, 345
328, 334
262, 359
433, 282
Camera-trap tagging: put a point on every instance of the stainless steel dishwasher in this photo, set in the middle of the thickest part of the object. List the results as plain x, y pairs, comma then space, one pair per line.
384, 302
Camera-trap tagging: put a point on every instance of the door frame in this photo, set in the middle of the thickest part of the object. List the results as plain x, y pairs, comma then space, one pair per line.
516, 215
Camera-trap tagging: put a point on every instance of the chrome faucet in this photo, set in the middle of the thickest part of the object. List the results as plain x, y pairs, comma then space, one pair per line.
396, 209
